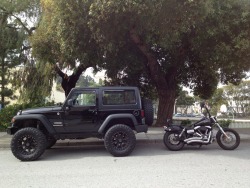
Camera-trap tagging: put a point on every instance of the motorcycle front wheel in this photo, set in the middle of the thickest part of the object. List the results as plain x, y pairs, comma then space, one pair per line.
172, 142
230, 141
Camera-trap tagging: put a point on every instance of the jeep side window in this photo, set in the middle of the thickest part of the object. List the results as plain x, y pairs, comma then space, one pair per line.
119, 97
84, 98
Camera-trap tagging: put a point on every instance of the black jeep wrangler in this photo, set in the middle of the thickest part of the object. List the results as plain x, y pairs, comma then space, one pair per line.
111, 113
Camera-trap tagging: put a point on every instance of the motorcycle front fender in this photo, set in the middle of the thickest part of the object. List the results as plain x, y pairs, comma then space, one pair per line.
173, 128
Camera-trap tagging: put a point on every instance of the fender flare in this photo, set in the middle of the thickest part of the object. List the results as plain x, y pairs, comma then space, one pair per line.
39, 117
116, 116
174, 128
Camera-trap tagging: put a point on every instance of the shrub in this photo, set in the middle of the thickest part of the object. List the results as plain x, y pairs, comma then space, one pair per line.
186, 122
225, 122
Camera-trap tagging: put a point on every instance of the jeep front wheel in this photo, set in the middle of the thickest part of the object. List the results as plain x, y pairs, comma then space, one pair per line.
28, 144
120, 140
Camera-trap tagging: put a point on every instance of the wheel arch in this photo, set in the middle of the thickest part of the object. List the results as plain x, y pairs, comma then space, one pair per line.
126, 119
36, 121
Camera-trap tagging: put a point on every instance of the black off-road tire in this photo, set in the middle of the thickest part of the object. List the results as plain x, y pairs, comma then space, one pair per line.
51, 141
28, 144
147, 106
120, 140
171, 143
221, 138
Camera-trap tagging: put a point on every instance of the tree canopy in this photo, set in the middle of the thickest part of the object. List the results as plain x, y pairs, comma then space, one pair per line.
192, 43
157, 44
64, 38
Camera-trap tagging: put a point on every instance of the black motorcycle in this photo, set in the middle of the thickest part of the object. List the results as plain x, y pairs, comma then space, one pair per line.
200, 133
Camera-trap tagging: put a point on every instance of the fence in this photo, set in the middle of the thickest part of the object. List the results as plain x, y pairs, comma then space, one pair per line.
236, 123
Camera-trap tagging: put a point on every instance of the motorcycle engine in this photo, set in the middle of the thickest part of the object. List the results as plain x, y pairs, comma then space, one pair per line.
203, 129
199, 131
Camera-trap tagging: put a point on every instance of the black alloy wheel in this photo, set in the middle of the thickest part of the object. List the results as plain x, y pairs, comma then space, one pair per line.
28, 144
120, 140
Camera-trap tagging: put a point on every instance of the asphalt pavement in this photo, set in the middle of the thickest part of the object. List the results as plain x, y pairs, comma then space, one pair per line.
153, 136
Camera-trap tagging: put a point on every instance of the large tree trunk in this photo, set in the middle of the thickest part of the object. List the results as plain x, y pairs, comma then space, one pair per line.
166, 106
69, 82
166, 84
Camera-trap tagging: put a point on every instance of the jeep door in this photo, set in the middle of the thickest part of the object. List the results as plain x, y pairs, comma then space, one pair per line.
81, 114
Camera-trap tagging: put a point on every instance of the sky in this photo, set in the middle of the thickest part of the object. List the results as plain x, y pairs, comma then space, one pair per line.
96, 76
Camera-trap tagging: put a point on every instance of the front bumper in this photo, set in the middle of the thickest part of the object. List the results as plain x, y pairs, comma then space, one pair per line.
11, 130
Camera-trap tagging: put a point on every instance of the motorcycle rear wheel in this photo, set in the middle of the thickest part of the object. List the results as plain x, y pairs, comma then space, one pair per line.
171, 142
229, 142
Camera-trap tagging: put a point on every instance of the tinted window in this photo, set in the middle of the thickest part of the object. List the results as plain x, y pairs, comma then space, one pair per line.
119, 97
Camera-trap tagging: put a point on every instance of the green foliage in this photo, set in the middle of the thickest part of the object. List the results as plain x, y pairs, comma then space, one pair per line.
190, 43
217, 99
10, 49
225, 122
156, 44
238, 97
86, 81
186, 122
7, 113
14, 49
63, 35
36, 83
184, 99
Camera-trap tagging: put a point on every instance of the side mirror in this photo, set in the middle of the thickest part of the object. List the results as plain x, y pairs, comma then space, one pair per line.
70, 102
202, 104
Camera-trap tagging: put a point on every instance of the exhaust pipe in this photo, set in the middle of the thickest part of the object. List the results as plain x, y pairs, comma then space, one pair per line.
192, 140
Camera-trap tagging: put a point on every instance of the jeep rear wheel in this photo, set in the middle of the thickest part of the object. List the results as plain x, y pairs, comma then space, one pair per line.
120, 140
28, 144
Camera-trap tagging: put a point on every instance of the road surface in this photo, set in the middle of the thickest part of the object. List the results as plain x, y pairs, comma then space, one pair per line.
149, 166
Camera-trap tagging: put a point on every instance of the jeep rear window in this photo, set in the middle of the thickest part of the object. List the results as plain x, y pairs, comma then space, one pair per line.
119, 97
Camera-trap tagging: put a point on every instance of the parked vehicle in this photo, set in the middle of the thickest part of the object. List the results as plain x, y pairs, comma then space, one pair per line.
200, 133
112, 113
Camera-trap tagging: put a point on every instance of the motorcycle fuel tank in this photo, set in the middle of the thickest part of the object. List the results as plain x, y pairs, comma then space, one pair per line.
203, 122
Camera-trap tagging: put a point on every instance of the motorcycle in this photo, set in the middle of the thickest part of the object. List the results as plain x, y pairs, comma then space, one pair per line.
200, 133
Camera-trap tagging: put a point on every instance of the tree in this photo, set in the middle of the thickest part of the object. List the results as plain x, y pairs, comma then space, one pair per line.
9, 47
238, 97
191, 43
64, 39
87, 81
184, 100
20, 18
217, 99
13, 32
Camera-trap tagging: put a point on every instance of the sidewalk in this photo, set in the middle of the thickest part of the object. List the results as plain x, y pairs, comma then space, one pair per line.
154, 136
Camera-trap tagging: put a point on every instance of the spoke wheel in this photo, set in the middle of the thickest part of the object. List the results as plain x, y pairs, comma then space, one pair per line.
230, 141
172, 142
120, 140
28, 144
